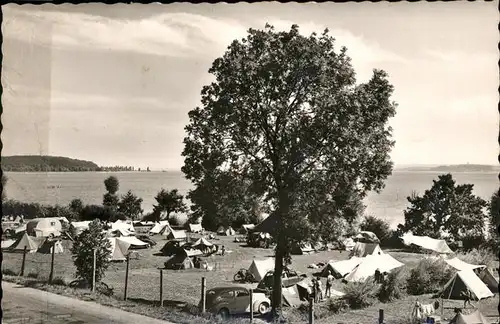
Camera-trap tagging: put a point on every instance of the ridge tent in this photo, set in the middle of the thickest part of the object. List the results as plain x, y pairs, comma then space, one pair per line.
465, 279
369, 264
229, 231
7, 243
366, 237
246, 228
259, 268
159, 227
363, 249
116, 252
195, 228
461, 265
31, 243
123, 225
291, 296
171, 248
130, 242
302, 248
490, 281
179, 262
427, 243
340, 269
119, 232
177, 235
268, 225
203, 245
474, 318
47, 246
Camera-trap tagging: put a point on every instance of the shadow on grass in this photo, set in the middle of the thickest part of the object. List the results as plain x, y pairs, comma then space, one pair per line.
166, 303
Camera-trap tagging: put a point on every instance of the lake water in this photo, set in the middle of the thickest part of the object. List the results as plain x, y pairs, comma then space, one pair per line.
61, 188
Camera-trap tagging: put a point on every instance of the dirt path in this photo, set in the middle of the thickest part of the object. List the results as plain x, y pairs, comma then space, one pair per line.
27, 305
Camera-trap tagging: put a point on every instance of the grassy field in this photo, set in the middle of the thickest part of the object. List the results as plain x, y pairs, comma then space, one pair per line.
182, 288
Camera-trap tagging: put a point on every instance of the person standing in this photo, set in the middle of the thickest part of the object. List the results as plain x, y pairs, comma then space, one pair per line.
329, 283
319, 290
466, 293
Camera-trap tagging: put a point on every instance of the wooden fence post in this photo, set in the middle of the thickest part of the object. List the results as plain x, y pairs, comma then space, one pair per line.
94, 269
126, 277
51, 274
251, 305
380, 316
203, 294
311, 310
24, 261
161, 287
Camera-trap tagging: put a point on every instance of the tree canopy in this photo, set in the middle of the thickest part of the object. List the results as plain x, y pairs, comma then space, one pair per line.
130, 205
446, 209
285, 113
169, 202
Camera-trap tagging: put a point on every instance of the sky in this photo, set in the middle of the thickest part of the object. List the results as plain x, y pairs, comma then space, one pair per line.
114, 83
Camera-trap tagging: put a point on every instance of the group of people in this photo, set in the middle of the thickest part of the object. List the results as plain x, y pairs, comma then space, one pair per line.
317, 291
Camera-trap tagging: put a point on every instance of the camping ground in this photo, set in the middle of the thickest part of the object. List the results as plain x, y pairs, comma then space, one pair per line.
181, 287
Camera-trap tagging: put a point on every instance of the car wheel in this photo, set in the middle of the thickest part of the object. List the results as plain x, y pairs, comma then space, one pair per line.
263, 308
224, 313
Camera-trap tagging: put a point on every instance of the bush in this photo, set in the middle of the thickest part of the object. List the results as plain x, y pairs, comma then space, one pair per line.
8, 272
394, 287
428, 276
478, 256
337, 305
32, 274
361, 294
379, 227
58, 281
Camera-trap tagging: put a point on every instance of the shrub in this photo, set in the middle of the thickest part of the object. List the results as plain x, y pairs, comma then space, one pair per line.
361, 294
58, 281
337, 305
83, 254
8, 272
478, 256
32, 274
394, 287
428, 276
379, 227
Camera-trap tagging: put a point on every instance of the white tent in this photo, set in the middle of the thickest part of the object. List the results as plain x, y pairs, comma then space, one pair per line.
30, 242
202, 242
80, 226
245, 228
259, 268
116, 251
363, 249
177, 235
122, 225
427, 243
461, 265
7, 243
369, 264
461, 280
195, 228
128, 242
159, 227
341, 268
349, 244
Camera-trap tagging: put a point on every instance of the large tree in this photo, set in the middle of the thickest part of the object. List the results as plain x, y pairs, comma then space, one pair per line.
130, 205
446, 210
494, 219
285, 113
168, 202
225, 199
110, 198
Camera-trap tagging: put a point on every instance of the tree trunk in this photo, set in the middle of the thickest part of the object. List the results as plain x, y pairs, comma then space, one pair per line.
277, 294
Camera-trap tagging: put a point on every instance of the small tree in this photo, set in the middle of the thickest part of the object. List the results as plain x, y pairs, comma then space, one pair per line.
446, 207
83, 254
169, 202
378, 226
76, 205
4, 183
130, 205
110, 198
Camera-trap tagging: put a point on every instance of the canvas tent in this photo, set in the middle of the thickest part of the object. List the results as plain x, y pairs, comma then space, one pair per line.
259, 268
171, 248
465, 279
341, 268
229, 231
427, 243
268, 225
291, 296
369, 264
461, 265
159, 227
179, 262
47, 246
131, 242
177, 235
363, 249
195, 228
474, 318
116, 250
366, 237
79, 226
31, 243
44, 227
7, 243
246, 228
302, 248
123, 226
203, 245
489, 280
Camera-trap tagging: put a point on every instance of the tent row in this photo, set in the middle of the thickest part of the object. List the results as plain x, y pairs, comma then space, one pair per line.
33, 244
